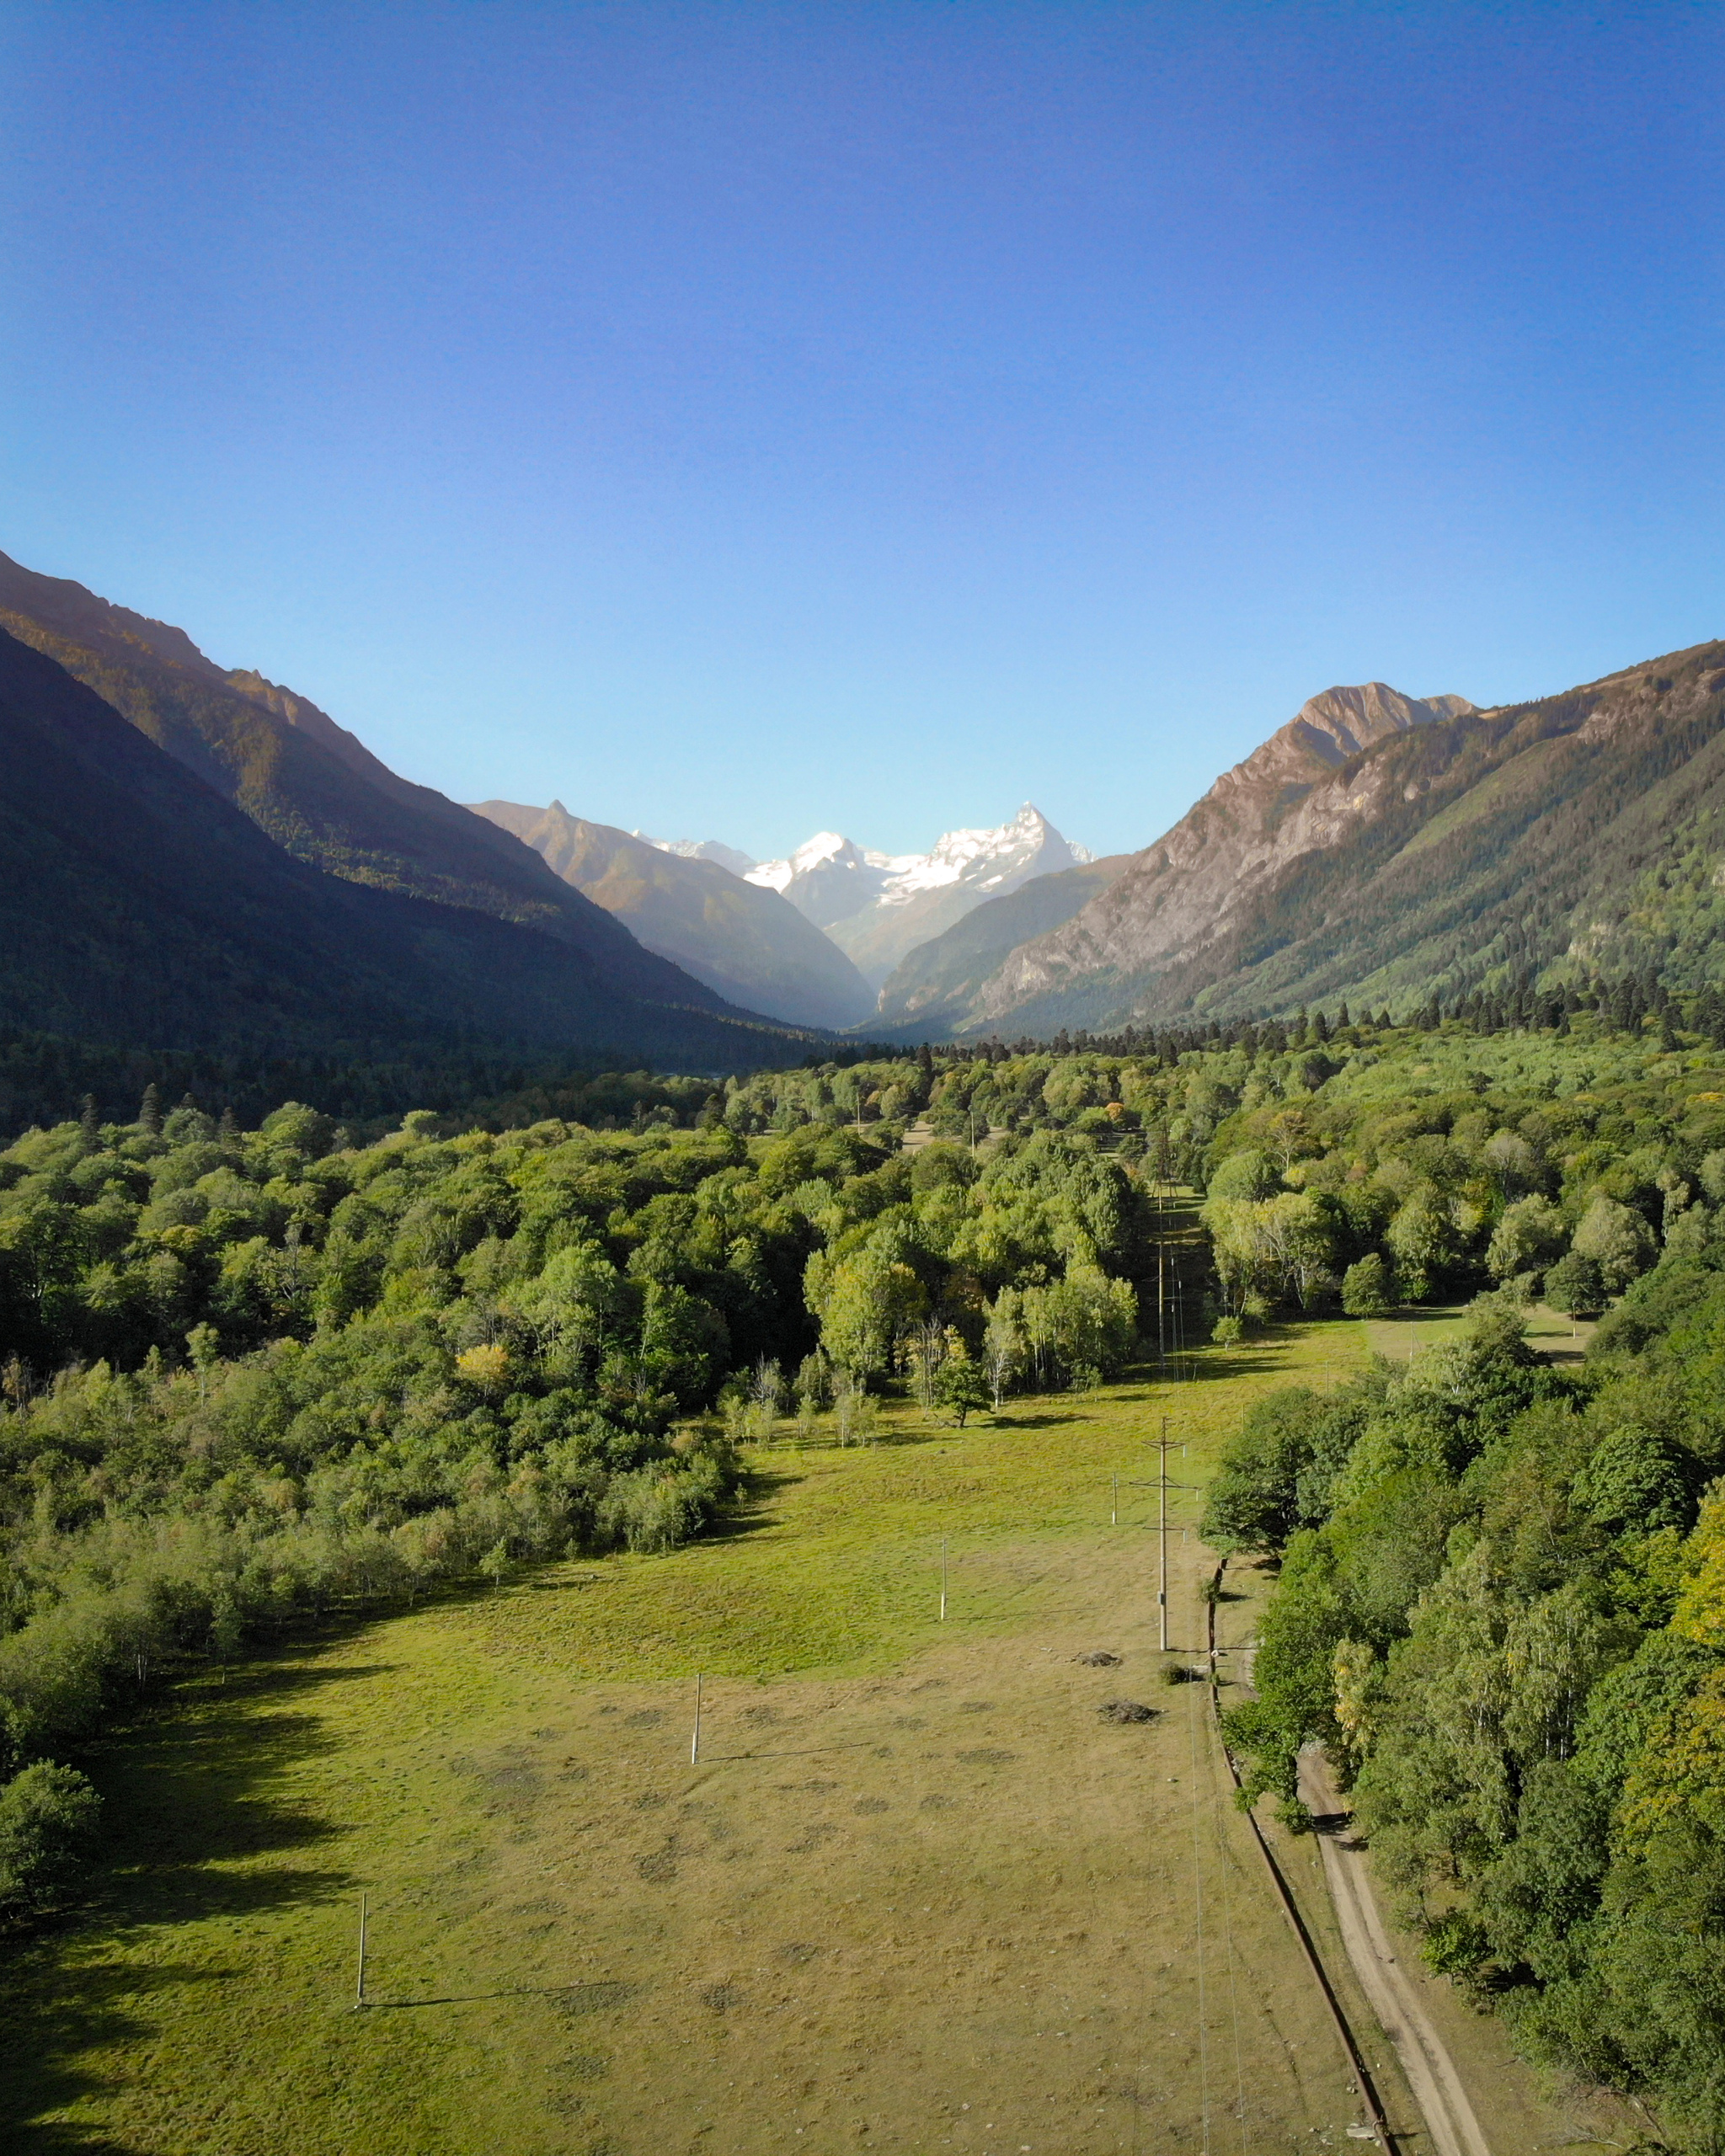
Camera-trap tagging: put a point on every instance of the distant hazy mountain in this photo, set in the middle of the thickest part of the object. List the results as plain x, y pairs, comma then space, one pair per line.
141, 910
727, 857
743, 941
878, 907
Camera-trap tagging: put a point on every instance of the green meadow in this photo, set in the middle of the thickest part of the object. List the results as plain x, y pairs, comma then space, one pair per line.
916, 1891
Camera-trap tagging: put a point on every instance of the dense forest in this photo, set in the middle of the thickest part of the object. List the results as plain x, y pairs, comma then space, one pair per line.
1500, 1603
253, 1374
250, 1376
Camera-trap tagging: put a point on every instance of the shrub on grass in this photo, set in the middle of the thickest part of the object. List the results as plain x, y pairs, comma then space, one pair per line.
1366, 1287
47, 1815
961, 1387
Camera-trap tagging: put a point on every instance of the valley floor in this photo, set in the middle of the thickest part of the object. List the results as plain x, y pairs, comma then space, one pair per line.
916, 1893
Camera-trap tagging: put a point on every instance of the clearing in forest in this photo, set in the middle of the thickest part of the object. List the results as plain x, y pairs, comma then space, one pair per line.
918, 1892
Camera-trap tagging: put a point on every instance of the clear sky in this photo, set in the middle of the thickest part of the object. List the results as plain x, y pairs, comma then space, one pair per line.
737, 420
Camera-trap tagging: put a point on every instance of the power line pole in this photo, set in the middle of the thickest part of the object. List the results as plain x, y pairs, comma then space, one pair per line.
1161, 1342
1162, 1592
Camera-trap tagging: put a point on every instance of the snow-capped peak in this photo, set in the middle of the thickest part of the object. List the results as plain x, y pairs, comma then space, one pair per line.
830, 879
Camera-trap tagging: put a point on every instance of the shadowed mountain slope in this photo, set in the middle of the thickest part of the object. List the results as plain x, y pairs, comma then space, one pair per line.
314, 788
746, 942
138, 907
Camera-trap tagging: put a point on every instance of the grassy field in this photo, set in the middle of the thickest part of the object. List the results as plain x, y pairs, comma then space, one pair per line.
917, 1892
1558, 1338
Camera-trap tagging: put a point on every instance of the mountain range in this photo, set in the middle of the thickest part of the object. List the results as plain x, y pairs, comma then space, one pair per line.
870, 908
878, 907
201, 856
194, 856
1385, 848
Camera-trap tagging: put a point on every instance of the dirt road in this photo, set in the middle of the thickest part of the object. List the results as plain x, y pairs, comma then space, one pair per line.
1438, 2089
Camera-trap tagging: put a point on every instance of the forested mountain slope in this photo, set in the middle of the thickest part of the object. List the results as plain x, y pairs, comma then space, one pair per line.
138, 908
1579, 835
314, 788
746, 942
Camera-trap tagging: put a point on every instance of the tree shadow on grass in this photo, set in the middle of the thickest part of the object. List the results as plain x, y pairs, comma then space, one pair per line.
735, 1526
56, 2013
1254, 1359
186, 1803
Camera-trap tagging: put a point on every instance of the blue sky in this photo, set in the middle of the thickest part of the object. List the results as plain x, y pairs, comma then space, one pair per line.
737, 420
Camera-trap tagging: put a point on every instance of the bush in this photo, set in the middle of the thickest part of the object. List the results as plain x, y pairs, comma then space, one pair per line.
1456, 1944
651, 1511
1366, 1287
961, 1388
47, 1815
1228, 1331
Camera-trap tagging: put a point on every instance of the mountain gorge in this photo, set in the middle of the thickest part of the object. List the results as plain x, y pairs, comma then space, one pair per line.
1378, 848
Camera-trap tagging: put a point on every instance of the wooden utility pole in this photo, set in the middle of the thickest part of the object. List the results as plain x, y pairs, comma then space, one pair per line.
360, 1990
1161, 1342
1161, 1583
695, 1741
1180, 1369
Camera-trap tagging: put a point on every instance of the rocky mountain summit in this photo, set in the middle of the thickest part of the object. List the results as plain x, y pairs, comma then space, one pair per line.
1180, 895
